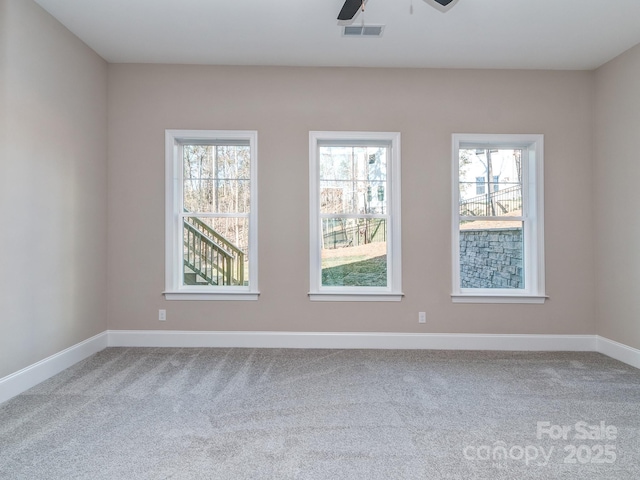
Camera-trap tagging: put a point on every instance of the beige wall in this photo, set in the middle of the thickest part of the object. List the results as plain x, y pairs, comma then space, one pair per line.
52, 187
617, 196
283, 105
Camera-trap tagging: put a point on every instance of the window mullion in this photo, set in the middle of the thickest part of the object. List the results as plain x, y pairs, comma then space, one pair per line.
491, 219
354, 215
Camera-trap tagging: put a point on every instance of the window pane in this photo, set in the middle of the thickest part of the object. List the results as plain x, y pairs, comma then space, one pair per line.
232, 161
231, 196
216, 251
354, 252
359, 197
353, 180
502, 196
216, 178
198, 174
491, 254
198, 194
198, 161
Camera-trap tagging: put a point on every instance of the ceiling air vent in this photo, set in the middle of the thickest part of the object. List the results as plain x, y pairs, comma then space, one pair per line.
363, 30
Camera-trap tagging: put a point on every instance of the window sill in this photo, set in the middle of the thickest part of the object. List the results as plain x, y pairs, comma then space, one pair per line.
471, 298
179, 295
355, 297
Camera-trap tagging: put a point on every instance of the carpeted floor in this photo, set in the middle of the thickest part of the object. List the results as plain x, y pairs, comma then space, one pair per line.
161, 413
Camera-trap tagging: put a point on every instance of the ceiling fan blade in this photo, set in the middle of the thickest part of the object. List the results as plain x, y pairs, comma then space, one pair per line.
349, 9
444, 3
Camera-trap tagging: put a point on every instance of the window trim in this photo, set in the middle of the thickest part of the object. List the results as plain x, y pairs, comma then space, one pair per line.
532, 218
393, 292
174, 289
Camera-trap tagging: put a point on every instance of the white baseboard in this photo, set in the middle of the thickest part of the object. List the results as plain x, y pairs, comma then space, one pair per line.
30, 376
619, 351
346, 340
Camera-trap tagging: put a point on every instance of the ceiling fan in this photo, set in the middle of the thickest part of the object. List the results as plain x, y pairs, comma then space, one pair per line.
351, 7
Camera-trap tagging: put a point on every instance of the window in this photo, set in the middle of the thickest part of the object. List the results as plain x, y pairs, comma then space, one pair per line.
498, 231
355, 216
481, 181
211, 215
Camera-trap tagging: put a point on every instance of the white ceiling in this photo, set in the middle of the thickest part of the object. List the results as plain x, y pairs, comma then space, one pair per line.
540, 34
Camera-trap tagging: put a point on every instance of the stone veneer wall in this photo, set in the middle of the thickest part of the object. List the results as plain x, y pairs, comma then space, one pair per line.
491, 258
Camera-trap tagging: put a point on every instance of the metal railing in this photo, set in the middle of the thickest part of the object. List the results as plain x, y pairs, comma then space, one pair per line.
369, 230
499, 202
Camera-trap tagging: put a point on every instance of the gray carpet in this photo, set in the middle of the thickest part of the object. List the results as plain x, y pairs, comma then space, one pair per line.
160, 413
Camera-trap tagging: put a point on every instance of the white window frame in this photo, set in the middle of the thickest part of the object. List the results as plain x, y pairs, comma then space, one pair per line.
174, 288
393, 290
532, 218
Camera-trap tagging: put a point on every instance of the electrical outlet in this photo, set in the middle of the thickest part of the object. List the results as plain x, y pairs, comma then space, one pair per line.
422, 317
162, 315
